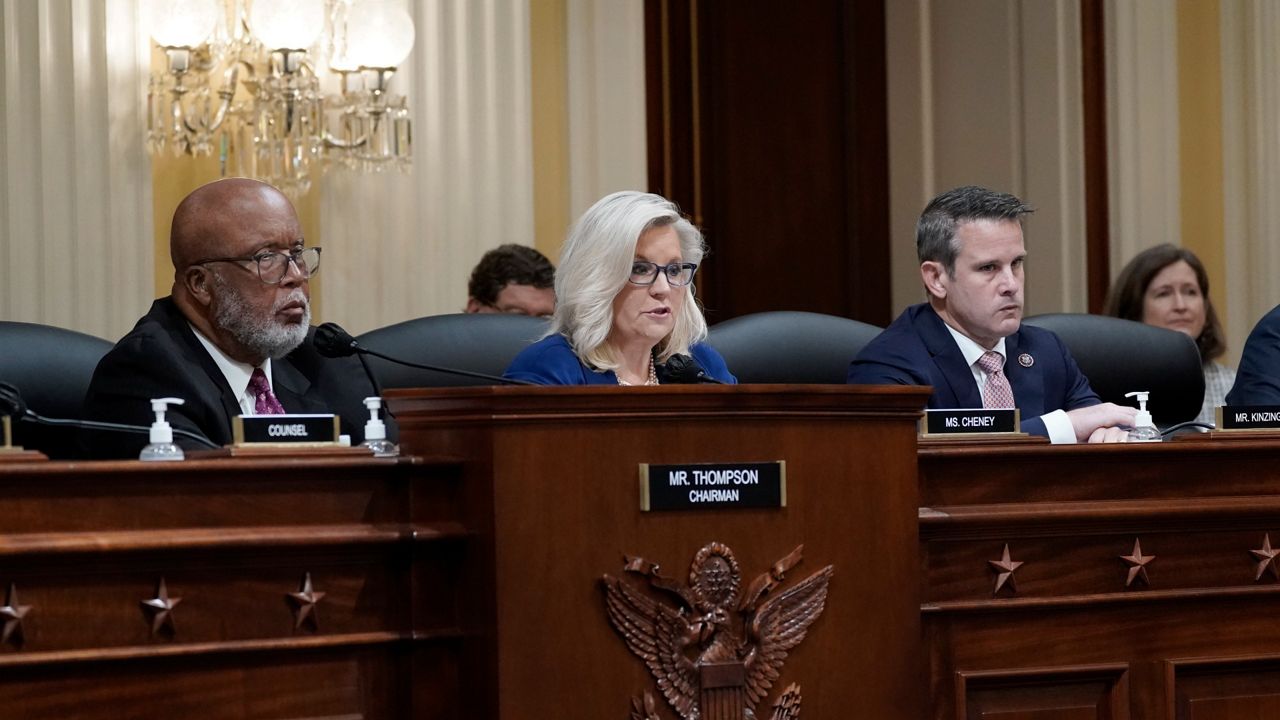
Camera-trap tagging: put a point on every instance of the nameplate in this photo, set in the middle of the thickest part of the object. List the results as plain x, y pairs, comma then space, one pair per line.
284, 429
971, 421
713, 486
1247, 417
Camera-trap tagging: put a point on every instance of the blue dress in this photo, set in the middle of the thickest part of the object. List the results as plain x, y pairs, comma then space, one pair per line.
551, 361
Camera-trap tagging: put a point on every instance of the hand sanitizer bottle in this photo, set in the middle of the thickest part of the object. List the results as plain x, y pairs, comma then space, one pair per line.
162, 447
375, 431
1144, 429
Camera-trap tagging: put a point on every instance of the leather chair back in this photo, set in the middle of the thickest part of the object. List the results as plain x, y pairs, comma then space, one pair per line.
791, 347
480, 342
52, 368
1120, 356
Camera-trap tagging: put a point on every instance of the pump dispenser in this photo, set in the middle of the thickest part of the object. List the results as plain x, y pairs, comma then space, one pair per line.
375, 431
1144, 430
161, 447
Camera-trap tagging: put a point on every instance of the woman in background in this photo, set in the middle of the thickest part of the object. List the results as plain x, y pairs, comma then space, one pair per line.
1167, 286
624, 299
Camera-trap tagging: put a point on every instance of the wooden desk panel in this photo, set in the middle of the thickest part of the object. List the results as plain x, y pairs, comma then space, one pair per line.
552, 473
1073, 635
83, 544
464, 587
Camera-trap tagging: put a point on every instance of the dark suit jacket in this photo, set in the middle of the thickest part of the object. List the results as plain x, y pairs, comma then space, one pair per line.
551, 361
917, 349
161, 357
1258, 379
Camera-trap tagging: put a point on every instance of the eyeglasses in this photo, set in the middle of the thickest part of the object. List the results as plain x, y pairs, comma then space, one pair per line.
646, 273
273, 266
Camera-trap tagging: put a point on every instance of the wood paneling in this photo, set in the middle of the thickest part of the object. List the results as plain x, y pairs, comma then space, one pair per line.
1093, 76
1070, 693
1076, 634
1227, 690
560, 466
767, 123
84, 544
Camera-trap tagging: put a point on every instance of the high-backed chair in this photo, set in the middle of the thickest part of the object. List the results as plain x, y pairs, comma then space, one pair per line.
1121, 356
52, 368
790, 346
484, 343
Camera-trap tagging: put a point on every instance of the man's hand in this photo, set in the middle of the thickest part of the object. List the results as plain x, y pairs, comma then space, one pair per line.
1100, 423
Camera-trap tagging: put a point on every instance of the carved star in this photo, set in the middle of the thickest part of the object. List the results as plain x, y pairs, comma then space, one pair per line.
160, 609
12, 613
1266, 557
1005, 568
304, 604
1137, 565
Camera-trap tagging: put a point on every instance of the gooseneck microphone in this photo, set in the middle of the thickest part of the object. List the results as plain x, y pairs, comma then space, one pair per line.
331, 341
12, 404
683, 370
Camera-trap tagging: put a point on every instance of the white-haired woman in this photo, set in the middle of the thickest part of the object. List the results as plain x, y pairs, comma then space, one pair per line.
624, 299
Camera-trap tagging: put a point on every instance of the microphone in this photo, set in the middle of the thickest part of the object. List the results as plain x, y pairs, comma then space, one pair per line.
331, 341
683, 370
12, 404
334, 342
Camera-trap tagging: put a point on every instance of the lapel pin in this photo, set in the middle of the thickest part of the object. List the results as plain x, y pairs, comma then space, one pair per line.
1025, 360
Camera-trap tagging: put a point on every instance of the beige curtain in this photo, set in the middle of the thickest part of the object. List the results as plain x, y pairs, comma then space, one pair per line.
75, 183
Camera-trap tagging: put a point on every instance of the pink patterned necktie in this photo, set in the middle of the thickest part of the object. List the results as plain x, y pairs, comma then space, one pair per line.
997, 394
264, 401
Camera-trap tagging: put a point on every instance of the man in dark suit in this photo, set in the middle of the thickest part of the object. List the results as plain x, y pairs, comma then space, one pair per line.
971, 251
233, 337
513, 279
1258, 379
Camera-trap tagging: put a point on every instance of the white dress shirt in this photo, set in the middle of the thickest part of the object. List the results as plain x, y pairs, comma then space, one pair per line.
236, 373
1056, 423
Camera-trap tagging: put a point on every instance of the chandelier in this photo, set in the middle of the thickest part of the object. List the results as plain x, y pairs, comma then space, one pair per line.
243, 80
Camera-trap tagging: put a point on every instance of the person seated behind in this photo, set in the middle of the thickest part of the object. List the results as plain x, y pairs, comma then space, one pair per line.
232, 338
625, 299
969, 241
1258, 379
512, 279
1167, 286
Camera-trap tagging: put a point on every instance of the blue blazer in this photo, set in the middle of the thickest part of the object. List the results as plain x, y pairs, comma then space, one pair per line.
1258, 379
917, 349
551, 361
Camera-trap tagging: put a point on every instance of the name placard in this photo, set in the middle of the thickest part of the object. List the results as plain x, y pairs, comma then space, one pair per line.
285, 429
971, 420
1248, 417
710, 486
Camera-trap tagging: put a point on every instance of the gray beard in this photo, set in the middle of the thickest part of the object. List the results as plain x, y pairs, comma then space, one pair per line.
260, 335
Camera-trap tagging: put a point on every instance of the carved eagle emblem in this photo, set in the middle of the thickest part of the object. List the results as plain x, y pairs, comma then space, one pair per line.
715, 647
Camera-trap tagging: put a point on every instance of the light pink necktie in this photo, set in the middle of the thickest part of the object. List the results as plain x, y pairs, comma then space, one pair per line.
264, 401
997, 394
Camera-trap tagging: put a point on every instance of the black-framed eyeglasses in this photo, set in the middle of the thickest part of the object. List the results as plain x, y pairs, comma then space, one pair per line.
274, 265
646, 273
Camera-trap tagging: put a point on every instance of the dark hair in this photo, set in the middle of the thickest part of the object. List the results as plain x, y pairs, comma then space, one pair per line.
936, 230
1129, 291
509, 265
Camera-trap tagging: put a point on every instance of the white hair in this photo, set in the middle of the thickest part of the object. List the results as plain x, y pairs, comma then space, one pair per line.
595, 265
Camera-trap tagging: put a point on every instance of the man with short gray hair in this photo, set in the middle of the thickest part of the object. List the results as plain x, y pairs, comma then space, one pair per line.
968, 342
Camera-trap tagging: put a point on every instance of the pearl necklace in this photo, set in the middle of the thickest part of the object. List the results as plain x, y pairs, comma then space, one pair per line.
651, 380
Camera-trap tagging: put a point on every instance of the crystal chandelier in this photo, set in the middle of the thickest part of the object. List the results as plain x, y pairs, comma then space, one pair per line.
242, 80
